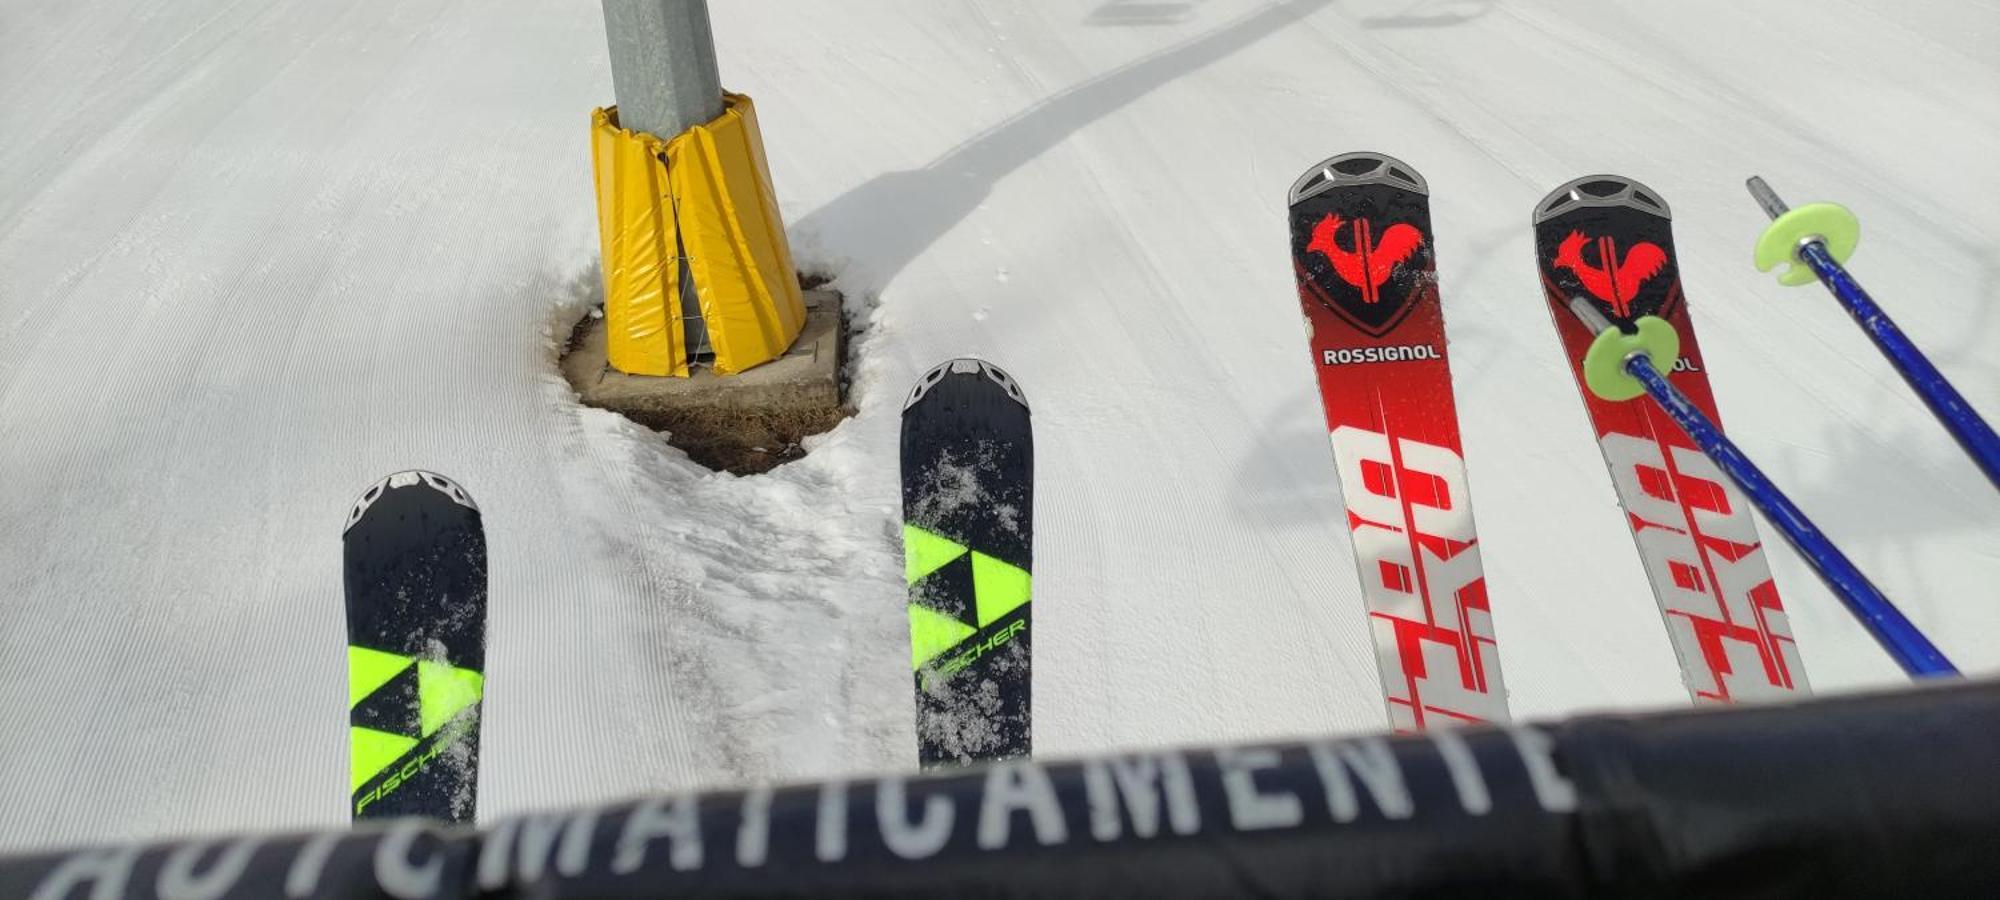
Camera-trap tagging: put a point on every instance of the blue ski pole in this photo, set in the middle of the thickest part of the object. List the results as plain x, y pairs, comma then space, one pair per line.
1622, 366
1819, 237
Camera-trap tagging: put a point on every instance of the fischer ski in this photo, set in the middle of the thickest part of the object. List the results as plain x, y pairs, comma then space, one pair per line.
1362, 254
415, 577
1610, 239
968, 542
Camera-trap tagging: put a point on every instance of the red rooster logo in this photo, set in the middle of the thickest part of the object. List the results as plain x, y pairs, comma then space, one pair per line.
1369, 265
1613, 281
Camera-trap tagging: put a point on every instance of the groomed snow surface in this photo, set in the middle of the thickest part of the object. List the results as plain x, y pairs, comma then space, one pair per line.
254, 256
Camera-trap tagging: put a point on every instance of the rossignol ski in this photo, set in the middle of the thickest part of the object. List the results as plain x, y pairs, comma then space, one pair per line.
415, 575
1361, 249
1610, 240
968, 540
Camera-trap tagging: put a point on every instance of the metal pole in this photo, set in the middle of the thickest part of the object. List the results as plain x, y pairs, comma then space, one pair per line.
664, 76
1765, 197
662, 64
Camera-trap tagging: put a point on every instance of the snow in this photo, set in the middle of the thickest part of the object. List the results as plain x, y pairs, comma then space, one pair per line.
255, 256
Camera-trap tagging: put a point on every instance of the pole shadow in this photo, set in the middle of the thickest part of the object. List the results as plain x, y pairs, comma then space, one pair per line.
894, 217
1125, 13
1433, 14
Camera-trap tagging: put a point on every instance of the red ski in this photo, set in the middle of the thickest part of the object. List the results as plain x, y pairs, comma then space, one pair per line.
1610, 240
1361, 248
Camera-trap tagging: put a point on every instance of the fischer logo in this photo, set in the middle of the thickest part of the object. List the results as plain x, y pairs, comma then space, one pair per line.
974, 653
1394, 353
415, 763
1421, 578
1613, 280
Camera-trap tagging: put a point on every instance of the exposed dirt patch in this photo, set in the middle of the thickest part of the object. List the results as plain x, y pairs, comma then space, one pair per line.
745, 442
746, 423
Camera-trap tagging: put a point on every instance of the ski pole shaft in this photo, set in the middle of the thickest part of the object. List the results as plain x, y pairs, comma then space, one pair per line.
1950, 407
1945, 402
1890, 628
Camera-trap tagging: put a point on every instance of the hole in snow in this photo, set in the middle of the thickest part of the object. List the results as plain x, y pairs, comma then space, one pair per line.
745, 423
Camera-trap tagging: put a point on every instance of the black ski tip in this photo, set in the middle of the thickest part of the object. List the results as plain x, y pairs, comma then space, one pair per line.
406, 479
966, 365
1597, 191
1361, 167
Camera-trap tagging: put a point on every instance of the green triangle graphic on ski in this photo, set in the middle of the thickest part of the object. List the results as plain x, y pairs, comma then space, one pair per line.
932, 633
368, 670
443, 692
924, 553
374, 751
998, 588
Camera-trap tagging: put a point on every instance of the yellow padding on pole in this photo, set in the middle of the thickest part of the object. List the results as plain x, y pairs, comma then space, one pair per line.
635, 230
718, 200
735, 241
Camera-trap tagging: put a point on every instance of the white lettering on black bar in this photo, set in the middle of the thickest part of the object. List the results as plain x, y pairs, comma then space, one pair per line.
1012, 786
1144, 783
677, 819
1464, 769
1183, 812
753, 837
527, 841
1154, 792
830, 838
107, 870
1372, 763
1250, 810
912, 841
401, 876
302, 879
493, 854
1556, 793
1100, 795
574, 856
179, 879
531, 840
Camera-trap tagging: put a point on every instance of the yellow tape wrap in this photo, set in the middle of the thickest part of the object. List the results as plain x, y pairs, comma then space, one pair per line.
710, 188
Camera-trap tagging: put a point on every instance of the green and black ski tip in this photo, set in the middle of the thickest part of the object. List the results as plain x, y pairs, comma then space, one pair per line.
968, 542
415, 574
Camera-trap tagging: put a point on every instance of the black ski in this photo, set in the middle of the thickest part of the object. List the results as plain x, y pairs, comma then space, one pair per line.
968, 516
416, 647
